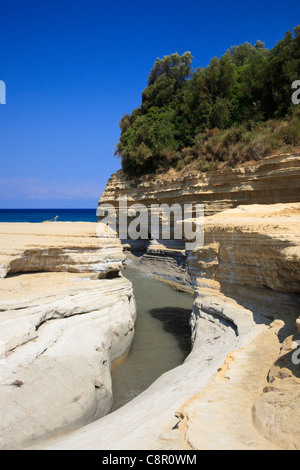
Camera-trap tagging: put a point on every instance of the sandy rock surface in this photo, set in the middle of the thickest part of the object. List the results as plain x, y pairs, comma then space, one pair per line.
233, 391
271, 180
57, 247
59, 331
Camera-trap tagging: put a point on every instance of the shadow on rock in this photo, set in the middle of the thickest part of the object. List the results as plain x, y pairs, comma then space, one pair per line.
176, 321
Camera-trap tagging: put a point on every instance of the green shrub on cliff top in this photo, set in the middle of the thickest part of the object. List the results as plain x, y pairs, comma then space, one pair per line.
223, 112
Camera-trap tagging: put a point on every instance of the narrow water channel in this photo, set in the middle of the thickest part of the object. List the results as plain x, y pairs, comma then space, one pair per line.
162, 336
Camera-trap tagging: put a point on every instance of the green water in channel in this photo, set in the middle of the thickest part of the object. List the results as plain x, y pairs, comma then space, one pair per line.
162, 337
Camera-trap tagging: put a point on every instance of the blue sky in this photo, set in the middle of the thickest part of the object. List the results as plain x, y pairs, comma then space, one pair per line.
72, 69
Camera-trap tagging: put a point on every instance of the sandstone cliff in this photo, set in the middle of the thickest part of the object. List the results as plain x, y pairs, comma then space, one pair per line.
250, 265
61, 327
57, 247
269, 181
239, 387
254, 245
272, 180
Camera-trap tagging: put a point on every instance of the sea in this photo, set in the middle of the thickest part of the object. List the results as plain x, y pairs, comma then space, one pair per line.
40, 215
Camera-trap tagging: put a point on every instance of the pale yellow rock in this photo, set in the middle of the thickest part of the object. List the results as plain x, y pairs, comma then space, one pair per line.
272, 180
276, 412
233, 391
256, 245
221, 416
60, 332
246, 281
174, 413
57, 247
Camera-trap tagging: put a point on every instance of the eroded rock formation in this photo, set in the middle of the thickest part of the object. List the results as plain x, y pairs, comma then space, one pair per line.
58, 247
238, 389
249, 266
273, 180
269, 181
61, 327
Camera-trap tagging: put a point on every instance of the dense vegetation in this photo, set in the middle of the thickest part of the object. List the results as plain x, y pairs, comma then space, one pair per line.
237, 108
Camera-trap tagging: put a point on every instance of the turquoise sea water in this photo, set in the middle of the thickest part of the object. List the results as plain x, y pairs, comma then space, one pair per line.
40, 215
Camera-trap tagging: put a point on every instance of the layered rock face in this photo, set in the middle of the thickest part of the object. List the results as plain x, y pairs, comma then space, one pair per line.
255, 245
57, 247
61, 327
270, 181
249, 267
239, 387
206, 403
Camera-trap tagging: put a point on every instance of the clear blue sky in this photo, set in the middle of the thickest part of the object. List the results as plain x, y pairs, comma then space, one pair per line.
73, 68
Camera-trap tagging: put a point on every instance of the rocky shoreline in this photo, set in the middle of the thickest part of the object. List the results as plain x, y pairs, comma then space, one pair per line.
64, 319
239, 387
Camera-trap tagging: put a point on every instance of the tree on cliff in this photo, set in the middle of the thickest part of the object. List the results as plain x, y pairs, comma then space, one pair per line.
149, 136
216, 113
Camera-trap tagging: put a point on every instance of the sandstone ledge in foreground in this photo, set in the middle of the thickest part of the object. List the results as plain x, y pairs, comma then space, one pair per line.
60, 331
239, 374
57, 247
169, 414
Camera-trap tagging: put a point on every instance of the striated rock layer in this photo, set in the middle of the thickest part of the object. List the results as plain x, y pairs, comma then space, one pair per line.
258, 390
271, 180
239, 387
255, 245
57, 247
60, 328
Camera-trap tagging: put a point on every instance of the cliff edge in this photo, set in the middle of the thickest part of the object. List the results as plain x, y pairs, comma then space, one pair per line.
239, 387
66, 314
